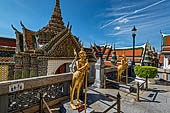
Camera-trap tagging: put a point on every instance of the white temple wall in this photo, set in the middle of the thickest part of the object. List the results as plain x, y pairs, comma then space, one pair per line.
166, 62
53, 65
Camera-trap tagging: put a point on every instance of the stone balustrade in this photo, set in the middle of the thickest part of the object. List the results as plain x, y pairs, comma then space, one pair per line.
110, 70
24, 95
164, 74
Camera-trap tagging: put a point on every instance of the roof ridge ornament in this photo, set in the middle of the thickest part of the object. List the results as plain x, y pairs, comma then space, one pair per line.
14, 28
68, 24
22, 24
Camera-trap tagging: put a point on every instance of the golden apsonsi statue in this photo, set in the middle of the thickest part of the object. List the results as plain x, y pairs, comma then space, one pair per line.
121, 68
78, 76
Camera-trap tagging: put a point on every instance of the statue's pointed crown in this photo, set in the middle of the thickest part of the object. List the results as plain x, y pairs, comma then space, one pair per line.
82, 49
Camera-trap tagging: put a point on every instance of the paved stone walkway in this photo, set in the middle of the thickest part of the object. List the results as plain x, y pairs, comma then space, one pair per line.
156, 100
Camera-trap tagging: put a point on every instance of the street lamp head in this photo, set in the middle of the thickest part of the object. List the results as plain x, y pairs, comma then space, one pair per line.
134, 30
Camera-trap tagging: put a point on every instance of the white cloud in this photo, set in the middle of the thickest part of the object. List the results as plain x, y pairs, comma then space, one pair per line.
125, 20
117, 28
122, 19
116, 20
120, 8
154, 4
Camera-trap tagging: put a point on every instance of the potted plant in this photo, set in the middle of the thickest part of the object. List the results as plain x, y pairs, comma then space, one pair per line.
146, 72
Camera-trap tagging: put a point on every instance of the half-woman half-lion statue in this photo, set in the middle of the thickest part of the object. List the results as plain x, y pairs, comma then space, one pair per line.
121, 68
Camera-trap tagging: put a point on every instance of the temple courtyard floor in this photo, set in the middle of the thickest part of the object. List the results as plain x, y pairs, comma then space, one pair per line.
155, 100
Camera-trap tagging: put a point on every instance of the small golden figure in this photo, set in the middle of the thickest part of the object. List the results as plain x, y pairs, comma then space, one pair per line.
121, 68
78, 76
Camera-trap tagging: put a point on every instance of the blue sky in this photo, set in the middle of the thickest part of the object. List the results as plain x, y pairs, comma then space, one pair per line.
93, 20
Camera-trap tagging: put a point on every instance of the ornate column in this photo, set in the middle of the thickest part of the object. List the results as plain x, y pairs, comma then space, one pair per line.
18, 66
11, 67
26, 65
34, 66
99, 80
42, 66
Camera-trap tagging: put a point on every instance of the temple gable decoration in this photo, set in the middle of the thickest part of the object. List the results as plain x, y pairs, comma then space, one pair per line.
64, 49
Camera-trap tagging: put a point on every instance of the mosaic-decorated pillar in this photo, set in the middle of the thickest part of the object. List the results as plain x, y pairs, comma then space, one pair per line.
18, 66
11, 71
3, 71
34, 66
42, 67
26, 65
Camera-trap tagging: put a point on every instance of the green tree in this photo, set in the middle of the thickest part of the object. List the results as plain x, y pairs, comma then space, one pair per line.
146, 71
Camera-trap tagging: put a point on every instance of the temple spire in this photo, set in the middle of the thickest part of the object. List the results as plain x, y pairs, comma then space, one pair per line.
114, 57
55, 25
56, 16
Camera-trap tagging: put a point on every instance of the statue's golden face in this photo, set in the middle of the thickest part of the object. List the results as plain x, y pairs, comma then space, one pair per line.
82, 55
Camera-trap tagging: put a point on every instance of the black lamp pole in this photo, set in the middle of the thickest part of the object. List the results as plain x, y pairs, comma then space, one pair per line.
134, 35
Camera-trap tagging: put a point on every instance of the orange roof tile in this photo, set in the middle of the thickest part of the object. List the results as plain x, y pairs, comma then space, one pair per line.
106, 51
7, 49
108, 63
166, 49
5, 59
167, 40
138, 52
161, 56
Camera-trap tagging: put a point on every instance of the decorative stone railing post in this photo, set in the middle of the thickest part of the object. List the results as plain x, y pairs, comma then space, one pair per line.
99, 80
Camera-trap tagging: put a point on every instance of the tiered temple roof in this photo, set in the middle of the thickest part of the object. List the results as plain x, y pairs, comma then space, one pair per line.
7, 42
30, 40
35, 49
112, 56
165, 46
46, 40
7, 48
60, 45
128, 51
55, 25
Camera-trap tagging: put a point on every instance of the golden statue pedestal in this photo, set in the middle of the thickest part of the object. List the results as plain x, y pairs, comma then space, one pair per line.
65, 108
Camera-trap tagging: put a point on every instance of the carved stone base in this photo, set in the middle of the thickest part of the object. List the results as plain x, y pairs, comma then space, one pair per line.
66, 108
98, 84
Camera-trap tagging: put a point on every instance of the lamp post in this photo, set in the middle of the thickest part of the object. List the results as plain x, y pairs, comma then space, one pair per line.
134, 35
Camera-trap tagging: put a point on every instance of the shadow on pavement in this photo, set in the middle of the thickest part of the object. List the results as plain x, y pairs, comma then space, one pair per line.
162, 82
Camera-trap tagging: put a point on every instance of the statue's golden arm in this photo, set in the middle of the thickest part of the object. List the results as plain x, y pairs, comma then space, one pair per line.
83, 67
